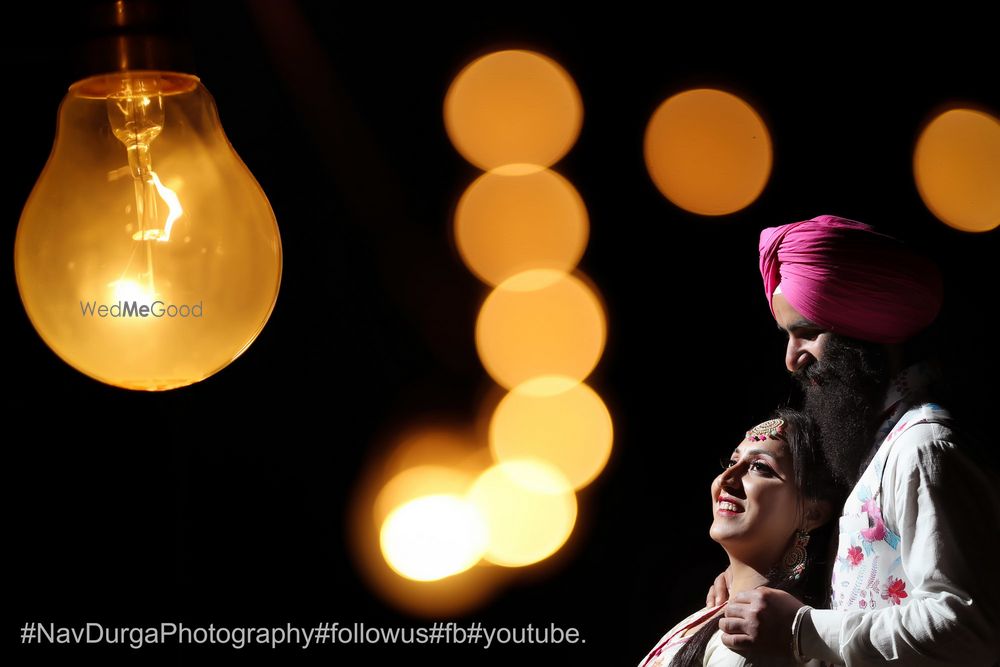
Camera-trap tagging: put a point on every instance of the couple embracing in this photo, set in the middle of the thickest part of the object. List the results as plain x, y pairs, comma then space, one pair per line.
859, 529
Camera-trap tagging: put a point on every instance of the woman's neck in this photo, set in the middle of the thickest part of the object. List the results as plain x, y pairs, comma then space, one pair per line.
745, 577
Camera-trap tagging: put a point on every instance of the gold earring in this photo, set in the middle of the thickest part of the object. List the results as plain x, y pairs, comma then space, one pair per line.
794, 562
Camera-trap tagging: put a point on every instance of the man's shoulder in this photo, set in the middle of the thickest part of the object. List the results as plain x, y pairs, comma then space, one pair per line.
934, 460
925, 424
924, 436
931, 442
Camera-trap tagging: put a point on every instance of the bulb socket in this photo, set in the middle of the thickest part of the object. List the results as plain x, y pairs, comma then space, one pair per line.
124, 35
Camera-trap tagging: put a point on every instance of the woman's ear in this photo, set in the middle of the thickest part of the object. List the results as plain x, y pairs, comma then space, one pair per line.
817, 513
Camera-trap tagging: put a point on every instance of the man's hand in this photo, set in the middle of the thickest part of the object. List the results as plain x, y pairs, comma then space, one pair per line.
758, 623
719, 591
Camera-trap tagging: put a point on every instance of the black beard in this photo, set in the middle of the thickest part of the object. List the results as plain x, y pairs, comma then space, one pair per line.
846, 401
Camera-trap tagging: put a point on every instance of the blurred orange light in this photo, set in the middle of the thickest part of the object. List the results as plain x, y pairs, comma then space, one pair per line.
434, 459
530, 510
413, 483
570, 429
513, 107
508, 224
540, 322
708, 151
433, 537
956, 164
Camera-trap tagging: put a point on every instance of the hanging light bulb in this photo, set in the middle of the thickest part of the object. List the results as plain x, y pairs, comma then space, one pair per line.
147, 256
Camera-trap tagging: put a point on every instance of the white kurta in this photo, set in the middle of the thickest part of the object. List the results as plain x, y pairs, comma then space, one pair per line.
717, 654
671, 642
928, 592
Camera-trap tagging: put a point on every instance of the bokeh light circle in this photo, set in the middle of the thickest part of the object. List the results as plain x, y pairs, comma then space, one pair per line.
570, 429
540, 322
433, 537
956, 164
513, 106
508, 224
708, 151
530, 510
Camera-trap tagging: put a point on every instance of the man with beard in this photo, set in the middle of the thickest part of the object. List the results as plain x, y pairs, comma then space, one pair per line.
913, 578
841, 390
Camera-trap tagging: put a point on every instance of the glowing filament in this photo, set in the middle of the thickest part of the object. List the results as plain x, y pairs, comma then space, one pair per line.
176, 210
129, 290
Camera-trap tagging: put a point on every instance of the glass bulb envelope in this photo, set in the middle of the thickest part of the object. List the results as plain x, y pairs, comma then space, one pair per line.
147, 256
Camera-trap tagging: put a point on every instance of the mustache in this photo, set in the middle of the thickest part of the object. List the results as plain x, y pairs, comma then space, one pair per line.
818, 372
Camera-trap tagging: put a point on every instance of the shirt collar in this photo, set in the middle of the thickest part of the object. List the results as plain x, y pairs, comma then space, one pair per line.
904, 388
908, 385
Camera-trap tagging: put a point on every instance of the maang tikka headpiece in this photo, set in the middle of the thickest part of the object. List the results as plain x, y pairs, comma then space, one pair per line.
772, 428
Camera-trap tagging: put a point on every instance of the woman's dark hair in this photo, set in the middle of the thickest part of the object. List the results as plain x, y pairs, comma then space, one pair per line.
815, 481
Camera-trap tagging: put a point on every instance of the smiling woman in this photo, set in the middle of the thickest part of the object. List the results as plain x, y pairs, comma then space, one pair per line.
771, 506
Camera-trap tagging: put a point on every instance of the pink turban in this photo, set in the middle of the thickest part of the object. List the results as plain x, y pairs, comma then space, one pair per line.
847, 278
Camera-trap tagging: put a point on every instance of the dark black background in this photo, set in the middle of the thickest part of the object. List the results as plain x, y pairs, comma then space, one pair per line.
226, 501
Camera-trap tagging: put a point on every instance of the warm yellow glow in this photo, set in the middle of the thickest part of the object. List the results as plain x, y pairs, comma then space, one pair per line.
450, 595
570, 429
708, 151
144, 215
433, 537
422, 480
175, 210
540, 322
517, 169
508, 224
431, 458
129, 290
513, 107
436, 445
957, 168
530, 510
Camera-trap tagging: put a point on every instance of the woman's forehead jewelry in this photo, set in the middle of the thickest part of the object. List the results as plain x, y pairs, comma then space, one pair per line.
772, 428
